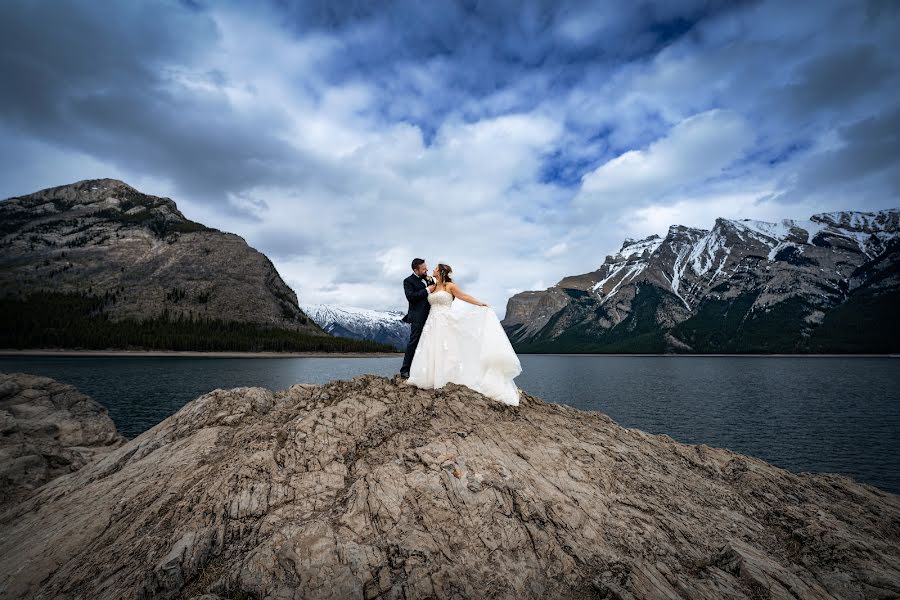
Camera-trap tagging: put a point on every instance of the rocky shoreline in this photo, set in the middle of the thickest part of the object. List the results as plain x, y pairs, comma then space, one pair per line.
371, 488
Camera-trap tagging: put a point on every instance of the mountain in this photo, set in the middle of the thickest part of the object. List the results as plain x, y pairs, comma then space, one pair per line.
827, 284
99, 264
360, 323
372, 488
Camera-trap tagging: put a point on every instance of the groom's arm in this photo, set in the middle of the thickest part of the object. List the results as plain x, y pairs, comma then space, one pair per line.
412, 293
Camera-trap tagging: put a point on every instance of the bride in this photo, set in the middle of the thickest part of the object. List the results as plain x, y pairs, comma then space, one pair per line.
464, 346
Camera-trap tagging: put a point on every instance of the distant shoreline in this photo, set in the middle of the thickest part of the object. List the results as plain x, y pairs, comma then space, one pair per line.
195, 354
237, 354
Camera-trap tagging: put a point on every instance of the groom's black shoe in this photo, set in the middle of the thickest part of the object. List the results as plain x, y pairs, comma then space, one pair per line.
404, 375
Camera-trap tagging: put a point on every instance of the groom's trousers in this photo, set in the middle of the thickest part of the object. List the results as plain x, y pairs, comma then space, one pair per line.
415, 331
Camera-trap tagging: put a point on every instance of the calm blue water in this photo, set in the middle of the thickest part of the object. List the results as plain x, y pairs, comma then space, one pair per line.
834, 414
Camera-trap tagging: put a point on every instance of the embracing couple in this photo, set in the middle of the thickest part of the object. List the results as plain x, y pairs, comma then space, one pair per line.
459, 345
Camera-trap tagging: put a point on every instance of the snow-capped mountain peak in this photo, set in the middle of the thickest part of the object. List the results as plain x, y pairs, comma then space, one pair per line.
329, 313
360, 323
873, 222
817, 263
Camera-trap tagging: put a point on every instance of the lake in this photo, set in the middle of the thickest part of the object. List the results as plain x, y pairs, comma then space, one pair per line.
804, 413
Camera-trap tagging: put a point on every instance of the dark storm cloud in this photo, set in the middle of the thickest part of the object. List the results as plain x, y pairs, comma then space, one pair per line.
836, 81
451, 53
866, 153
79, 50
99, 79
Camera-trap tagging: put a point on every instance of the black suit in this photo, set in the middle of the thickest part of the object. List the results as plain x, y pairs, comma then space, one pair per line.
417, 295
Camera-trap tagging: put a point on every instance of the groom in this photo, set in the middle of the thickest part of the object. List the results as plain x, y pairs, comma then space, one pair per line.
416, 287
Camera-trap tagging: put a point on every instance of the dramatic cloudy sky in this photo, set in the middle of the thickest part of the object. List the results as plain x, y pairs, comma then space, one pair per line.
518, 141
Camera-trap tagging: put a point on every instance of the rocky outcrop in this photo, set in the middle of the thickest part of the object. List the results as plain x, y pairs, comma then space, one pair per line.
47, 429
141, 255
827, 284
371, 488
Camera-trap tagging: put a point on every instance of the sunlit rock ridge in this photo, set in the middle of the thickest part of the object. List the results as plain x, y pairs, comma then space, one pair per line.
830, 283
372, 488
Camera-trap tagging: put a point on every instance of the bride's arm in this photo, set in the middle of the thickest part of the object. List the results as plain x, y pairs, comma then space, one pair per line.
458, 293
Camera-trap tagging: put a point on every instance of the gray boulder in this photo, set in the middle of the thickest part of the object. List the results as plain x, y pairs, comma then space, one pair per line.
47, 429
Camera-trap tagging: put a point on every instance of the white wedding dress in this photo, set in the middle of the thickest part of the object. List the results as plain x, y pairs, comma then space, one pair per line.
465, 345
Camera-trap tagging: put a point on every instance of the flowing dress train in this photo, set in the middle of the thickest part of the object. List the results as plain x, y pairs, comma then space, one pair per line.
465, 345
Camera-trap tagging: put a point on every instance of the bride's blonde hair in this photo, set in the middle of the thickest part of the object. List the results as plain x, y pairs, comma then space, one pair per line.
444, 273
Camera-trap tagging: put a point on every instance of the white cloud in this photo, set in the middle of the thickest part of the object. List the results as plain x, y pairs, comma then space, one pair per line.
698, 148
470, 199
556, 250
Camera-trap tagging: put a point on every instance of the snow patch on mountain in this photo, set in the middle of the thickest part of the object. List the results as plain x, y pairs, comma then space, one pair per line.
705, 253
632, 247
360, 323
869, 231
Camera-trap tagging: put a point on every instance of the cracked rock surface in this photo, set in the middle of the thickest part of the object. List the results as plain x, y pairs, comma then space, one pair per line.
47, 429
371, 488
